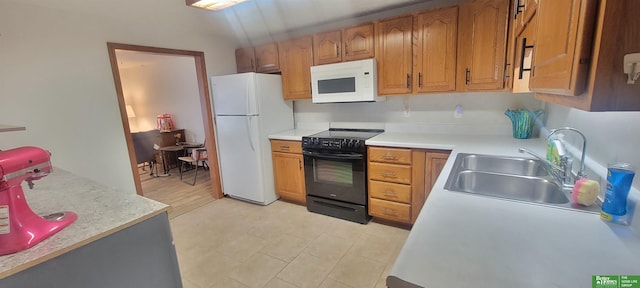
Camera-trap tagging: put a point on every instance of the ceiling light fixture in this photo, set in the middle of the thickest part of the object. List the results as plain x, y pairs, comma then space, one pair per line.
213, 4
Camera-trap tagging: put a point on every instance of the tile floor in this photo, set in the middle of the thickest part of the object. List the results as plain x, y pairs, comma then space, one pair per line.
229, 243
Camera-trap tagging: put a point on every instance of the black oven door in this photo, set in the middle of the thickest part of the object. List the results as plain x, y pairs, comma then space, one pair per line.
335, 175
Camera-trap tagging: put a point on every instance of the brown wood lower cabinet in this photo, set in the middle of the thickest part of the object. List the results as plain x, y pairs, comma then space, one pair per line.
400, 181
288, 170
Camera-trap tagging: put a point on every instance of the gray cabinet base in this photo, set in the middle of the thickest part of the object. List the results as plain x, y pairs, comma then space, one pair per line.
142, 255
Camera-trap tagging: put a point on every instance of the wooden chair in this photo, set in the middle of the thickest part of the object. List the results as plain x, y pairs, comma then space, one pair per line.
198, 155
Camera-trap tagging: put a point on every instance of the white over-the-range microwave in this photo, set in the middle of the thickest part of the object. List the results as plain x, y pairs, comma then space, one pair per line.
353, 81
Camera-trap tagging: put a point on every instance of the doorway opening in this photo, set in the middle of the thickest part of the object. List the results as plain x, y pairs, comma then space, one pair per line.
207, 127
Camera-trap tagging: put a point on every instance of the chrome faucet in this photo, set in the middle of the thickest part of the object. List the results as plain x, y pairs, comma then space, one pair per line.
563, 172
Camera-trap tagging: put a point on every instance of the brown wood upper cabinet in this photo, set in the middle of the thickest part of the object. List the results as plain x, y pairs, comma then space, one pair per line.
616, 33
357, 42
353, 43
245, 60
522, 11
394, 54
482, 44
563, 46
267, 58
261, 59
327, 47
296, 59
436, 38
524, 39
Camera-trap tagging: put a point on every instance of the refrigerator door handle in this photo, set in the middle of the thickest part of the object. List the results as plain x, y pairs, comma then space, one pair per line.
246, 98
249, 130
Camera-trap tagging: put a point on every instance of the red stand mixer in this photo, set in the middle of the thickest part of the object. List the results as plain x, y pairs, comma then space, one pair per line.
20, 227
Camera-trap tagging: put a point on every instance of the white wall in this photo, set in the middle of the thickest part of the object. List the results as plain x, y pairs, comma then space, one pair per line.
55, 76
482, 112
166, 84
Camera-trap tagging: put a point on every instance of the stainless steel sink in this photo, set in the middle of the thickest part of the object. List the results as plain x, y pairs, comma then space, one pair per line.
512, 178
501, 164
532, 189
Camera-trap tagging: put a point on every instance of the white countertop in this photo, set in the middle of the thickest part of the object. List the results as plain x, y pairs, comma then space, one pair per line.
295, 134
465, 240
101, 211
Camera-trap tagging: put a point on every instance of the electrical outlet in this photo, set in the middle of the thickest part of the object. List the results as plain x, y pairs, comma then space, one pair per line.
457, 113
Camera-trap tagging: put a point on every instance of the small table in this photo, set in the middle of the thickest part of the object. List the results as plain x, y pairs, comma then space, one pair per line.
164, 150
175, 149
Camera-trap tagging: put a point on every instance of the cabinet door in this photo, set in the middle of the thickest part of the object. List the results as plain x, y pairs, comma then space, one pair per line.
357, 42
434, 163
435, 50
523, 10
326, 47
245, 60
267, 58
482, 44
530, 7
288, 173
523, 51
296, 58
563, 46
394, 55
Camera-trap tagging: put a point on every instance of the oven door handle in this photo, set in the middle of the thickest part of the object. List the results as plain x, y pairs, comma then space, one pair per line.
334, 156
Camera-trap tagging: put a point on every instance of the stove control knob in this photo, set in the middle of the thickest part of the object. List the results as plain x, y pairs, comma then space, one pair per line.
351, 143
357, 144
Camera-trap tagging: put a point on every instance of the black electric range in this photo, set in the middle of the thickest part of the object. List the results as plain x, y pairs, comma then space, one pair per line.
335, 166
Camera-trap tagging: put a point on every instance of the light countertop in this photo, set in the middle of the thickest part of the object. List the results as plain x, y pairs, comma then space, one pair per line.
295, 134
101, 211
465, 240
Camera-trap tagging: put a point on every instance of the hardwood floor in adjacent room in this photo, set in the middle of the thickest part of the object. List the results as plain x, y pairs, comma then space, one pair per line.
181, 196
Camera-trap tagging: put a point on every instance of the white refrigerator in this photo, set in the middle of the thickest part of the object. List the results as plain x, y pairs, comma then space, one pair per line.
247, 108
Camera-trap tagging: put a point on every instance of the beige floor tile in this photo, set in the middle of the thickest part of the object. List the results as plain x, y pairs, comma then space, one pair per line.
228, 283
306, 271
270, 228
186, 283
329, 247
392, 233
344, 229
285, 248
210, 267
357, 271
241, 247
330, 283
374, 247
258, 270
230, 243
309, 227
279, 283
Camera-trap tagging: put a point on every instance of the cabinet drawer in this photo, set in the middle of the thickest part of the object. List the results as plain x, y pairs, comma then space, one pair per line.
390, 155
390, 172
286, 146
390, 210
390, 191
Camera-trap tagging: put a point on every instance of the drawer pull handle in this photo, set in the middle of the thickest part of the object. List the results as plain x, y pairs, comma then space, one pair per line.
389, 174
283, 147
388, 192
389, 157
389, 211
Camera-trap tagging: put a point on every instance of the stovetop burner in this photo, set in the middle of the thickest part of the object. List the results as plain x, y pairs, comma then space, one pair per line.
339, 139
361, 134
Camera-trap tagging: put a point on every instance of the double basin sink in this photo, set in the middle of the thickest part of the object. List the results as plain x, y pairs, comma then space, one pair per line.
512, 178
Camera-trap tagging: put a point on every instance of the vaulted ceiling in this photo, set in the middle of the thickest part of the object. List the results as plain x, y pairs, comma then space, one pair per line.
260, 21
